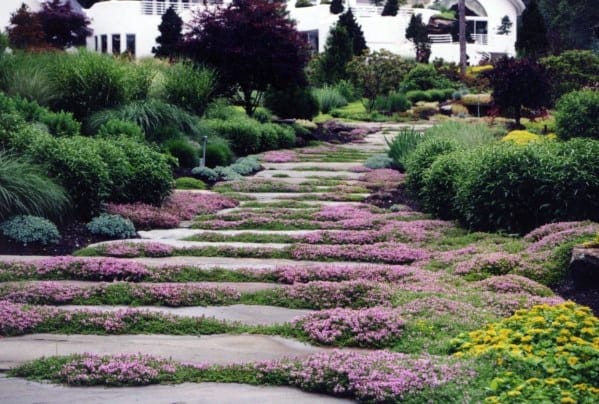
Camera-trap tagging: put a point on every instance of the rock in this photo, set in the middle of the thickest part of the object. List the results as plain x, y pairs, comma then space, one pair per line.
584, 268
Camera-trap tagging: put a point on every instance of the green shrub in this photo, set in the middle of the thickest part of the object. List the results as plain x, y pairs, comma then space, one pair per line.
468, 135
221, 109
227, 174
77, 165
188, 87
269, 138
392, 103
113, 226
402, 145
25, 190
517, 188
155, 118
185, 153
243, 134
286, 135
116, 128
297, 102
328, 99
577, 115
379, 161
218, 152
572, 70
30, 230
347, 90
189, 183
440, 184
27, 75
205, 174
88, 82
246, 165
118, 167
425, 77
423, 156
415, 96
262, 115
60, 123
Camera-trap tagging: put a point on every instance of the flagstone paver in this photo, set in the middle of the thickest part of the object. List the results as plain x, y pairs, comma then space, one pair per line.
19, 391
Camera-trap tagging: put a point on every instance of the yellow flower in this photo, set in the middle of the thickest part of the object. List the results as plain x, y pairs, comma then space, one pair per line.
568, 400
572, 361
513, 393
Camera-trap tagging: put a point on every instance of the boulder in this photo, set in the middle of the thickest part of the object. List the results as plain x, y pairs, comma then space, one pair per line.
584, 268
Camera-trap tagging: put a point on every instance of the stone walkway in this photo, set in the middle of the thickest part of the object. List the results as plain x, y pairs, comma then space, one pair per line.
216, 349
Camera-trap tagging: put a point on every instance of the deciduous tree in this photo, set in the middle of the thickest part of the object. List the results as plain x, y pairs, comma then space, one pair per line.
25, 30
518, 84
63, 27
252, 44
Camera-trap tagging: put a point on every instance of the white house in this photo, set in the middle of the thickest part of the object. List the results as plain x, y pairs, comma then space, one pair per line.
128, 25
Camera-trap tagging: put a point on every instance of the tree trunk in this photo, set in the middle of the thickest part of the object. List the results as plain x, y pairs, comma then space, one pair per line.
462, 25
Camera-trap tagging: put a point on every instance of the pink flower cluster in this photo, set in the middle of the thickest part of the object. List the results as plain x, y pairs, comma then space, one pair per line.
131, 250
391, 253
342, 237
550, 236
343, 212
383, 177
93, 269
416, 230
370, 327
327, 295
337, 273
179, 206
377, 376
15, 320
169, 294
360, 169
514, 284
117, 370
279, 156
489, 264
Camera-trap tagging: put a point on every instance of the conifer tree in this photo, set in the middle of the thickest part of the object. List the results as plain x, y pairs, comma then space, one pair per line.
354, 30
170, 35
417, 32
336, 7
532, 34
505, 27
337, 53
391, 8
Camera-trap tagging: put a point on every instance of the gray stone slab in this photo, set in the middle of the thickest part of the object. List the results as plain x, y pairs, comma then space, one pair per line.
276, 196
195, 244
213, 349
176, 234
307, 175
302, 164
246, 314
20, 391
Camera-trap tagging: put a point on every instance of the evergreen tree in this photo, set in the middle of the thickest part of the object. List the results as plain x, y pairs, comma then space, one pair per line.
170, 35
354, 30
391, 8
337, 53
417, 32
532, 35
505, 27
336, 7
25, 30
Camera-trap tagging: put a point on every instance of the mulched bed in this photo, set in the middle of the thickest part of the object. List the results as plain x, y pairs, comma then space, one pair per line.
388, 197
588, 298
73, 237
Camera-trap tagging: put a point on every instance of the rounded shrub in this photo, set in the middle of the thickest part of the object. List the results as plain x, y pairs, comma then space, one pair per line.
243, 134
185, 153
415, 96
115, 128
246, 165
423, 156
518, 188
425, 77
218, 152
262, 115
286, 135
440, 184
205, 174
296, 102
521, 137
112, 226
379, 161
269, 138
227, 174
27, 229
576, 115
189, 183
188, 87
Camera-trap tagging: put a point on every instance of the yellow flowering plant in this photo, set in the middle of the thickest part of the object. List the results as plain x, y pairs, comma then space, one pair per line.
556, 345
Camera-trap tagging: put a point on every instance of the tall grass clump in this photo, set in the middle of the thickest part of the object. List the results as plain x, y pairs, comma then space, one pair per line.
153, 116
188, 87
328, 99
402, 145
28, 76
467, 135
24, 190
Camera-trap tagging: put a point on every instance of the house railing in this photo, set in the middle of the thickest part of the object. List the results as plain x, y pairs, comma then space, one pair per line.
159, 7
479, 39
369, 10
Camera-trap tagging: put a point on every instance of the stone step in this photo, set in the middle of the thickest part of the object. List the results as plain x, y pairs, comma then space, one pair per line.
196, 244
178, 234
20, 391
277, 196
338, 166
307, 175
314, 203
213, 349
246, 314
